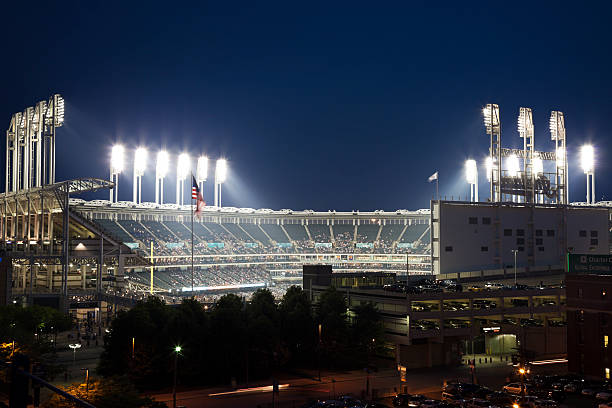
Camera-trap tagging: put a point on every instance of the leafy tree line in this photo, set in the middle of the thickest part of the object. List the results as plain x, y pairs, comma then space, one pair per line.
239, 340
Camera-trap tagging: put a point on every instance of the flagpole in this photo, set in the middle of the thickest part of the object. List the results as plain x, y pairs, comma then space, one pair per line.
437, 191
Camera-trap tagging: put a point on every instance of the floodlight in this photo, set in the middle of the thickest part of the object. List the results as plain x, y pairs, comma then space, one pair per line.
117, 159
489, 167
471, 171
178, 349
59, 110
525, 123
140, 161
513, 166
182, 167
557, 125
490, 115
161, 167
202, 168
221, 171
587, 159
538, 166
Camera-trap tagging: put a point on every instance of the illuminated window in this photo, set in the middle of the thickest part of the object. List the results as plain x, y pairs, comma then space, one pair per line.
606, 340
607, 373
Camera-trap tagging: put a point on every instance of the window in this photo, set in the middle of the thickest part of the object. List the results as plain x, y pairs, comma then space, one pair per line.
606, 341
593, 234
484, 249
507, 233
520, 241
486, 220
538, 233
607, 373
520, 232
539, 241
541, 249
550, 233
582, 234
448, 249
473, 220
521, 249
594, 241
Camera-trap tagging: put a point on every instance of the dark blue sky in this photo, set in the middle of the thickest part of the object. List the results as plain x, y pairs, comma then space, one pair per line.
322, 105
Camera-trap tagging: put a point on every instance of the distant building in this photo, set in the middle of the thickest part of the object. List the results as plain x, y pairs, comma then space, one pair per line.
589, 324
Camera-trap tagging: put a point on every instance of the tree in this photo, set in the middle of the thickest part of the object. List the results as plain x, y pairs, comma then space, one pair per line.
298, 329
368, 330
104, 393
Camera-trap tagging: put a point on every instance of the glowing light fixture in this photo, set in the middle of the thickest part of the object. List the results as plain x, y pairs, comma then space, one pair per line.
513, 166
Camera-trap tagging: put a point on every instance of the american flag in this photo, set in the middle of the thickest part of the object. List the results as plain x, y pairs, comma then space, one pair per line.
197, 195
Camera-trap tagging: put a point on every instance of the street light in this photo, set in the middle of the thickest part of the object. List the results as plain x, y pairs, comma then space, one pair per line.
220, 177
182, 171
116, 167
74, 347
587, 160
161, 170
177, 351
140, 165
471, 176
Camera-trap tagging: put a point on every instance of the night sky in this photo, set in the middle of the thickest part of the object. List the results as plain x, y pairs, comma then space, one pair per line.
316, 105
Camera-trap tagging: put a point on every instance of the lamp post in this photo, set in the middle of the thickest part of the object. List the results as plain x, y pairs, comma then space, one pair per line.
471, 176
515, 251
319, 353
74, 347
177, 351
161, 170
116, 167
140, 165
182, 171
522, 373
220, 177
587, 158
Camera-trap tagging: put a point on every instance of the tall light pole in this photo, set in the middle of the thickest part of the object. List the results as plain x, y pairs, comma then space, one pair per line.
161, 170
182, 171
471, 176
492, 124
515, 251
116, 167
202, 171
220, 177
557, 133
177, 351
140, 165
587, 159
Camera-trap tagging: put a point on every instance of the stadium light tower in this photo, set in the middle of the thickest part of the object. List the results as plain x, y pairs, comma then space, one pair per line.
587, 159
557, 133
161, 170
202, 171
116, 167
140, 165
182, 171
220, 177
471, 176
492, 124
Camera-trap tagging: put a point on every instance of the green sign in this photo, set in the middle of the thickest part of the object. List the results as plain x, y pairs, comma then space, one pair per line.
589, 264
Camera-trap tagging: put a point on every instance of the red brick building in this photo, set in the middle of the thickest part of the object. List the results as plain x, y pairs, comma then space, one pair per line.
589, 324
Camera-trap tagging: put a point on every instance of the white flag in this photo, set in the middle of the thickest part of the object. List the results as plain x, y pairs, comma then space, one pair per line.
433, 177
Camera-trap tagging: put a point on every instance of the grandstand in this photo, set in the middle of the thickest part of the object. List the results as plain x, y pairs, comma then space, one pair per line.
242, 248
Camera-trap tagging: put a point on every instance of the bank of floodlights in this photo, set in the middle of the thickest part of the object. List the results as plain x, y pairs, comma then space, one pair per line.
116, 167
202, 171
491, 118
140, 165
471, 176
183, 167
162, 164
220, 177
513, 166
587, 161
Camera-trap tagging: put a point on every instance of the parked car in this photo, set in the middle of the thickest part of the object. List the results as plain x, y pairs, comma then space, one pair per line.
605, 395
513, 388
